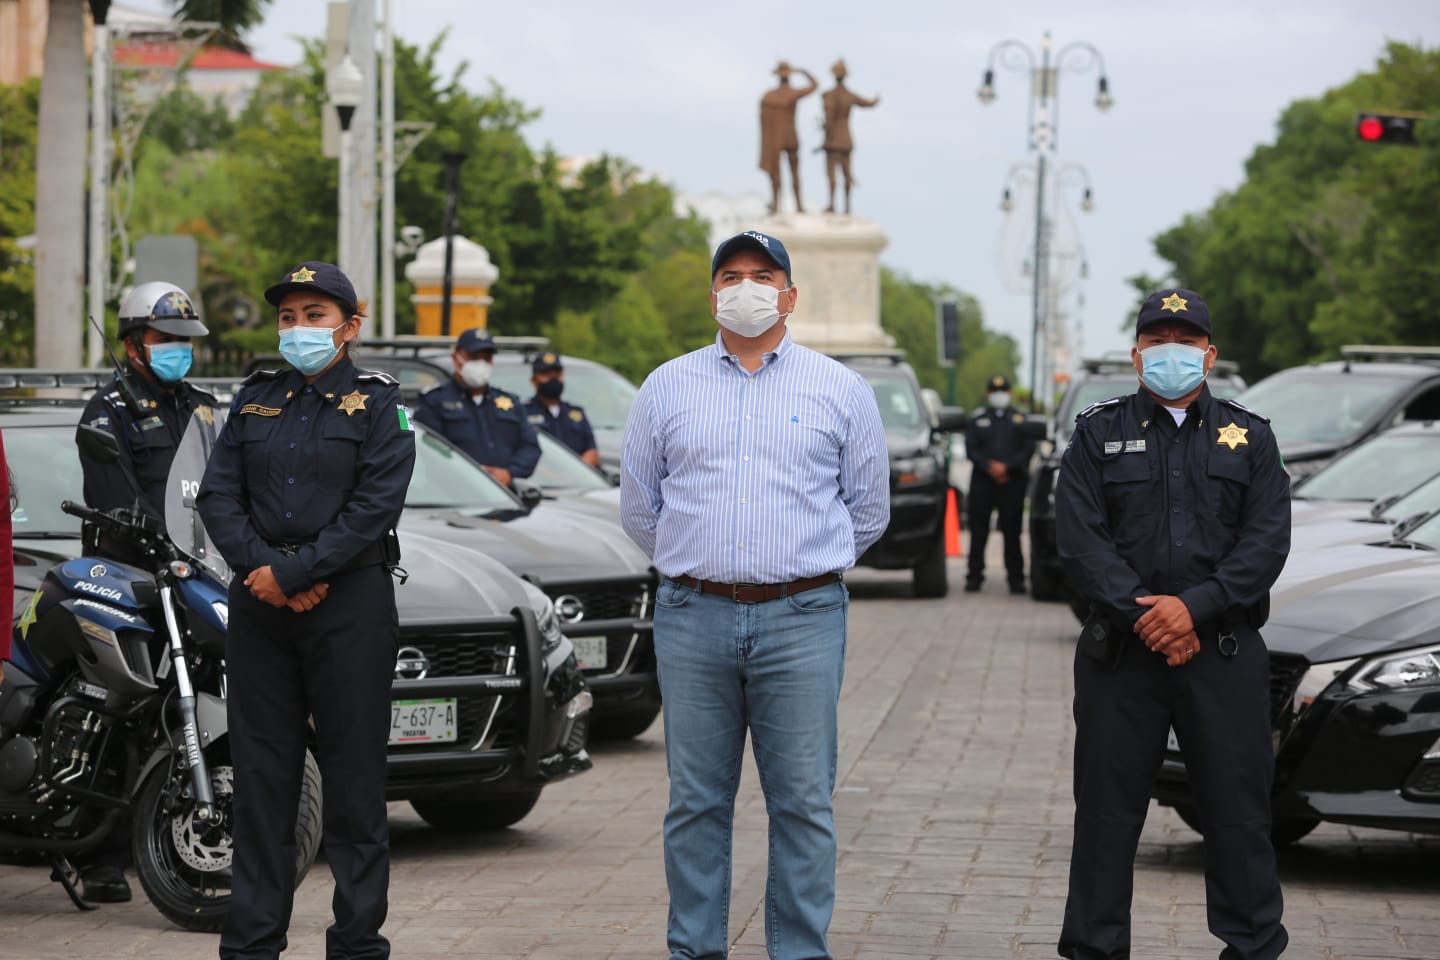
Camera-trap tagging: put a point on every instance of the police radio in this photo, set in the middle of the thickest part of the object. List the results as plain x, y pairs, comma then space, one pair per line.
122, 382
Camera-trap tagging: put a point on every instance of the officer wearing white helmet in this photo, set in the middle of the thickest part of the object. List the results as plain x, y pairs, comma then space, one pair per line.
149, 409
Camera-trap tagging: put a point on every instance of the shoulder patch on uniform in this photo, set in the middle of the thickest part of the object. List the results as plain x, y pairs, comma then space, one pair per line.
1099, 405
577, 415
376, 376
259, 375
1241, 407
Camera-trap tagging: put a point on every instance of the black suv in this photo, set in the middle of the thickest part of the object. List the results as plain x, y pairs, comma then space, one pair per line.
1100, 378
919, 470
1324, 409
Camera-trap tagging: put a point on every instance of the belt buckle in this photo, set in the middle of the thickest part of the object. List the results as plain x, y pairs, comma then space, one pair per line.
735, 589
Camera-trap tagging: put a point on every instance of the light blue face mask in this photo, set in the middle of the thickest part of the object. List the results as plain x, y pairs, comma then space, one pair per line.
1172, 370
308, 349
170, 361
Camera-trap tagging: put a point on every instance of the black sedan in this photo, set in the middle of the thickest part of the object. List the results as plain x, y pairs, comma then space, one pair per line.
1354, 691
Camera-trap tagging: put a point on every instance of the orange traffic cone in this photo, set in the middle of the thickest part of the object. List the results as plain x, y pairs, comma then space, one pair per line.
952, 525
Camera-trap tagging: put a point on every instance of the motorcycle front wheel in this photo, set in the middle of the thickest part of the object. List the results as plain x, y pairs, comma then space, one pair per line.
185, 865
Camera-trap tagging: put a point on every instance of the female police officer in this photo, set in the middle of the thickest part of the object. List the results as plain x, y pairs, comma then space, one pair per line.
301, 495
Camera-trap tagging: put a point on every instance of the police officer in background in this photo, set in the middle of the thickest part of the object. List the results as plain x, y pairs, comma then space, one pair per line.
1173, 519
486, 422
546, 411
147, 407
996, 443
301, 497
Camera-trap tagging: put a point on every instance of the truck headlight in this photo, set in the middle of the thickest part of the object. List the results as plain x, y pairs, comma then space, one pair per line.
1400, 670
549, 626
914, 471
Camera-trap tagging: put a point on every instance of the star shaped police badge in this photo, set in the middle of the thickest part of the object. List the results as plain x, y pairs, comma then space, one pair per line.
303, 275
1232, 436
352, 402
1174, 303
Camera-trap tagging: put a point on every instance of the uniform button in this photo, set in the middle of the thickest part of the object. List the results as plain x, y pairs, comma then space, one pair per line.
1174, 473
289, 515
289, 479
1179, 543
309, 389
292, 444
1174, 509
306, 418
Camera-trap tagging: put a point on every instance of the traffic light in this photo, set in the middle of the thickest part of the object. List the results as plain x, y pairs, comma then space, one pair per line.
1386, 127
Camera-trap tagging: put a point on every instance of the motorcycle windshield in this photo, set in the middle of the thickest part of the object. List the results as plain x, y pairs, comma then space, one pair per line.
182, 520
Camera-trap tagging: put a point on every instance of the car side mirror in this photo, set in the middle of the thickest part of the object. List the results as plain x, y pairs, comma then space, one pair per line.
611, 472
530, 494
97, 443
951, 419
1035, 428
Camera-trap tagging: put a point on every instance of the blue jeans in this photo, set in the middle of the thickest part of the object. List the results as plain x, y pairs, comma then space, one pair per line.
773, 669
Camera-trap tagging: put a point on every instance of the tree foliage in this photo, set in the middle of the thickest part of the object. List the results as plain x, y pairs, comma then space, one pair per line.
19, 112
1330, 240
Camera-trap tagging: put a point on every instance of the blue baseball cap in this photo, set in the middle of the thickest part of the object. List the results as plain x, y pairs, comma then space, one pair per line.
475, 340
751, 240
546, 362
315, 275
1174, 304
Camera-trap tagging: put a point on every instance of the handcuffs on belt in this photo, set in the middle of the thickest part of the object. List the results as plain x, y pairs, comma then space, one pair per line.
1227, 644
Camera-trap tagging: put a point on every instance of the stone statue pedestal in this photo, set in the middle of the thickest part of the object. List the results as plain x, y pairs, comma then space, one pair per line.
836, 263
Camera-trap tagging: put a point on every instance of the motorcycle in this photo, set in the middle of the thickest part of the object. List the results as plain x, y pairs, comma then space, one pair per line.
113, 701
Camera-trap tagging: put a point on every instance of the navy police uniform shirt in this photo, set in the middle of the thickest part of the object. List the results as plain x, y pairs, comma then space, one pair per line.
568, 424
994, 434
1200, 511
148, 439
494, 431
321, 468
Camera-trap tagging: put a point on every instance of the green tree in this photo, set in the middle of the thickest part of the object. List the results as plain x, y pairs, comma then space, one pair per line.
1329, 240
19, 108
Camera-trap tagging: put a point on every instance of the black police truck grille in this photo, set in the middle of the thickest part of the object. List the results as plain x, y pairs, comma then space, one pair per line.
464, 656
622, 601
1286, 671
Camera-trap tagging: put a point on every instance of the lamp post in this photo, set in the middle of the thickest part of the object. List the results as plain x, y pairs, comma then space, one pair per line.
1044, 115
452, 159
345, 84
99, 252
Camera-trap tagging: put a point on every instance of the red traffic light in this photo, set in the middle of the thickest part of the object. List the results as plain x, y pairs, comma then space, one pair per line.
1386, 127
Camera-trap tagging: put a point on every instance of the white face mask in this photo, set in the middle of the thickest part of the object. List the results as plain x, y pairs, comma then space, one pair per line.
747, 309
476, 373
1000, 400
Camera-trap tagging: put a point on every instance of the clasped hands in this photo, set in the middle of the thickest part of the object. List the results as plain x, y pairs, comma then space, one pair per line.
1168, 629
997, 471
264, 588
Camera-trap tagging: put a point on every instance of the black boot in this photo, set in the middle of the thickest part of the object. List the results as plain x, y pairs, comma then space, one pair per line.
103, 883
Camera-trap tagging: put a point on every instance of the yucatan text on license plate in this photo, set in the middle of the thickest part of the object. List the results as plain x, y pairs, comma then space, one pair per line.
423, 721
590, 652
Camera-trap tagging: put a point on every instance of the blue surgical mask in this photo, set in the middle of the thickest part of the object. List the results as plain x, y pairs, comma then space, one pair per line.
308, 349
170, 361
1171, 370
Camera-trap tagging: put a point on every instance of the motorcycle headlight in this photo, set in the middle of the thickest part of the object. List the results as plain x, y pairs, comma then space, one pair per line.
914, 471
1398, 671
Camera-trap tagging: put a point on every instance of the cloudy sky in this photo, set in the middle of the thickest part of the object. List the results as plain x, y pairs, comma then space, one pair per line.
673, 87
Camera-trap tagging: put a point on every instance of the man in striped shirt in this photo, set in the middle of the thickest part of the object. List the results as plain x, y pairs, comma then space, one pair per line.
755, 471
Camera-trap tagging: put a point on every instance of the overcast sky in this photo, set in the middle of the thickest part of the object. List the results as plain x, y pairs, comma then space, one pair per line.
674, 88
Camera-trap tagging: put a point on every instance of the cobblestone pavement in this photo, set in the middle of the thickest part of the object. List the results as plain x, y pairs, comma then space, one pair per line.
954, 817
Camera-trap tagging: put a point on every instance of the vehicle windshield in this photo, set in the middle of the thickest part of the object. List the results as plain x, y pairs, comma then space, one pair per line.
605, 395
1423, 499
182, 519
1376, 468
46, 466
561, 468
445, 478
1313, 409
900, 405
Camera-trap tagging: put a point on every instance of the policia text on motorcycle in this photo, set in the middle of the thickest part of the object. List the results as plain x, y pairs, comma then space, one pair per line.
301, 496
1173, 519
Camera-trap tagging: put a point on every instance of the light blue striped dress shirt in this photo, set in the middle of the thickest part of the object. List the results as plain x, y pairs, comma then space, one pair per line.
761, 477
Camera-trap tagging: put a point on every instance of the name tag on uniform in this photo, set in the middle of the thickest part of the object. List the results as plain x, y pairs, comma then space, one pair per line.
1126, 446
1113, 447
536, 418
983, 422
1134, 446
151, 423
259, 410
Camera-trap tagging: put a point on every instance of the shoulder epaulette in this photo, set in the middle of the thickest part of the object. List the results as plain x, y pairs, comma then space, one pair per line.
433, 387
376, 376
260, 375
1241, 407
1099, 405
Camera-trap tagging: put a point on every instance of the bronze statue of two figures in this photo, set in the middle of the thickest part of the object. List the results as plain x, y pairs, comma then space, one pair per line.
778, 138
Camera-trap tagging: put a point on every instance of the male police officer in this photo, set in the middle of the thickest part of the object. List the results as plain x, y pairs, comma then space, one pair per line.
147, 407
563, 421
486, 422
1173, 519
995, 442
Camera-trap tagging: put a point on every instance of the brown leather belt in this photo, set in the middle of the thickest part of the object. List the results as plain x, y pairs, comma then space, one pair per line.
758, 592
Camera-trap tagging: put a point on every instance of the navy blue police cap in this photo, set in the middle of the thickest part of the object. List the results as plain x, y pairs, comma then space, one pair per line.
475, 340
546, 362
316, 275
998, 382
751, 240
1174, 305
